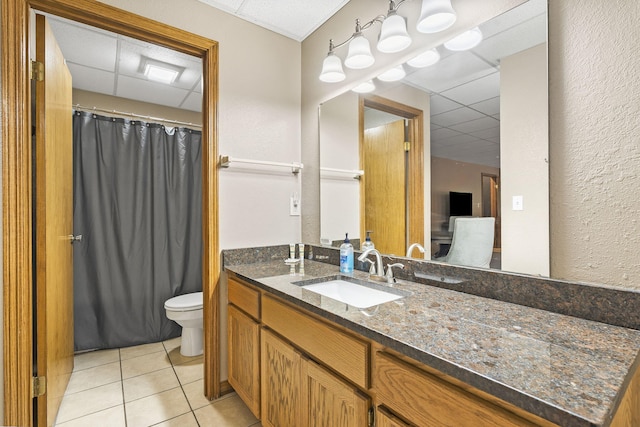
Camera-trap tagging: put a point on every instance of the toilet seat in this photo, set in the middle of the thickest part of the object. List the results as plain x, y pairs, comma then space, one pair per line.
186, 302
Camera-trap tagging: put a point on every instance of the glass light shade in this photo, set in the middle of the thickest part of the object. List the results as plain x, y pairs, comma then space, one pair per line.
393, 34
359, 55
465, 41
436, 15
365, 87
425, 59
332, 69
393, 74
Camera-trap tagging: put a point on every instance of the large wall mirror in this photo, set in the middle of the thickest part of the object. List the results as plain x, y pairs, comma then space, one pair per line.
477, 122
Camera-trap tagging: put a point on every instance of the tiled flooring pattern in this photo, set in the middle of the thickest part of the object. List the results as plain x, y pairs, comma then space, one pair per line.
147, 385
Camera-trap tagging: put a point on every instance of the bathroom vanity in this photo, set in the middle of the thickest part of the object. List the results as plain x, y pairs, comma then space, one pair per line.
433, 356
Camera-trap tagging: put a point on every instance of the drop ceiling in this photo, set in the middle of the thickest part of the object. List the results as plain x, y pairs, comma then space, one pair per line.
464, 87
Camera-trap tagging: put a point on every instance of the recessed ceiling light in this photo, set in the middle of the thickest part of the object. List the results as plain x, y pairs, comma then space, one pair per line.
159, 71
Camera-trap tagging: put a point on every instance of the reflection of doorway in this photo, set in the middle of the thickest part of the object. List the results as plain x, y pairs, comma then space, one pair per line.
491, 203
18, 172
392, 190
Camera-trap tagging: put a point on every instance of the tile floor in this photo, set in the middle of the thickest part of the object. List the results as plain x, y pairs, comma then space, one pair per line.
146, 385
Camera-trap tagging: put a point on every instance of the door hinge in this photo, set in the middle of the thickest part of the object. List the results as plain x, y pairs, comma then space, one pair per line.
37, 71
372, 417
39, 386
407, 146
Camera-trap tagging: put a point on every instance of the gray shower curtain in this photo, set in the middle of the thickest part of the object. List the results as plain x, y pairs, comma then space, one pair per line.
138, 205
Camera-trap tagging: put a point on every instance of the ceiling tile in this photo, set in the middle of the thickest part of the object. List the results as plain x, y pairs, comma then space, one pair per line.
440, 104
473, 126
85, 47
516, 39
453, 117
490, 106
492, 134
476, 90
91, 80
193, 102
146, 91
443, 133
450, 72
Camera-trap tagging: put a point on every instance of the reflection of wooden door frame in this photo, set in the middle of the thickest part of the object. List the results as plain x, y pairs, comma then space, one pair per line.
495, 204
18, 339
415, 185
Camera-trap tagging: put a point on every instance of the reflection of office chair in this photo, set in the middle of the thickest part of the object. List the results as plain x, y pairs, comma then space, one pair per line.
472, 243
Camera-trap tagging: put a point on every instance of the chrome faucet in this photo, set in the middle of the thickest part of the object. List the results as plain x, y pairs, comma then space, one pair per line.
378, 274
389, 274
412, 247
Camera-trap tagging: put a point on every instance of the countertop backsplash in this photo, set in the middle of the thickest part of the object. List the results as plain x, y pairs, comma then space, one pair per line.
601, 303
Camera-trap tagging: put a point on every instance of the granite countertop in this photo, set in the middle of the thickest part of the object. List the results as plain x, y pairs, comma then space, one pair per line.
568, 370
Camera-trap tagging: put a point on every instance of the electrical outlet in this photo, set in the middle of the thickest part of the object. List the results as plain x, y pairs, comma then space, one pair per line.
294, 205
518, 203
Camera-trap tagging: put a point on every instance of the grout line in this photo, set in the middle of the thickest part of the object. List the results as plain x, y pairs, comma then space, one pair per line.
124, 406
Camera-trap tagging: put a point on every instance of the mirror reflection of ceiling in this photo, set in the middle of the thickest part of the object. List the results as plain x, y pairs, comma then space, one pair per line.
465, 86
104, 62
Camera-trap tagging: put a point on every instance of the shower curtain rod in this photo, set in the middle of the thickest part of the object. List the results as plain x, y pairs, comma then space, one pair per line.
124, 113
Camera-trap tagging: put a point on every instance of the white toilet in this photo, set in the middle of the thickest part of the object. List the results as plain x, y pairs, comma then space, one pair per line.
186, 311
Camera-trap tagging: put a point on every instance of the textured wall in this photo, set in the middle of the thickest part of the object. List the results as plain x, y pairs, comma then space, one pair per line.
595, 140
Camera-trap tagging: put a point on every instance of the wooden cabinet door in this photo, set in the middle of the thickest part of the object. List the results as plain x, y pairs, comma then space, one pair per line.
330, 401
281, 391
385, 419
244, 357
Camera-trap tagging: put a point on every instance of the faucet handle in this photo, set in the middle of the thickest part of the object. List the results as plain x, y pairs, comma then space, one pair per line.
372, 267
389, 274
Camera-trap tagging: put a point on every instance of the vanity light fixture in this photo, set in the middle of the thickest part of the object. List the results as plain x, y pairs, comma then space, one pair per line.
365, 87
465, 41
159, 71
332, 71
393, 34
436, 15
359, 55
393, 74
425, 59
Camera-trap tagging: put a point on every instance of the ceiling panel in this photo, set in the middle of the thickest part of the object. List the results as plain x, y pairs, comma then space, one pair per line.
91, 79
79, 45
443, 133
476, 90
450, 72
489, 106
477, 125
193, 102
440, 104
294, 19
146, 91
453, 117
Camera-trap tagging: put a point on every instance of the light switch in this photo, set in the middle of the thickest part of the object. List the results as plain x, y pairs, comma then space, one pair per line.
518, 203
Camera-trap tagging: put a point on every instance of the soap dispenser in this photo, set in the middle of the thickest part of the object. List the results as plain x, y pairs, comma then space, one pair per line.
346, 256
368, 244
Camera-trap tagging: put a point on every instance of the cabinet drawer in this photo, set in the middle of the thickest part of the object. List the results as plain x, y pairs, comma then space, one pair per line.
424, 399
244, 298
345, 353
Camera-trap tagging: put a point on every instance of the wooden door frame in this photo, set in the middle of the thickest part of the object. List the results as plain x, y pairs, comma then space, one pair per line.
17, 224
415, 189
497, 242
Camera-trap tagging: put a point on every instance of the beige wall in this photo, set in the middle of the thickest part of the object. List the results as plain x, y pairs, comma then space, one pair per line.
524, 154
106, 102
594, 93
451, 175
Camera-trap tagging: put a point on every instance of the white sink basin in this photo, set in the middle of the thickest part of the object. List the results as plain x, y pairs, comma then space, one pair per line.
356, 295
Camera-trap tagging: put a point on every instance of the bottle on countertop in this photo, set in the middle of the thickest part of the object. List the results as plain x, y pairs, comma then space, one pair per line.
367, 244
346, 256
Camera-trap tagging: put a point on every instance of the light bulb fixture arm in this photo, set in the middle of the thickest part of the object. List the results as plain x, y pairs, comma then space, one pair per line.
359, 30
393, 8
